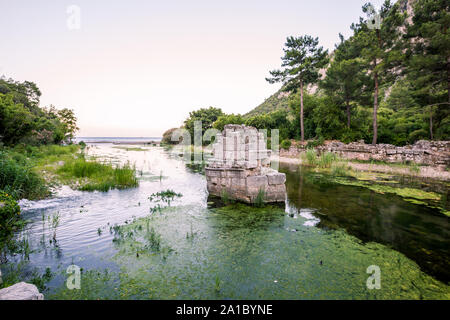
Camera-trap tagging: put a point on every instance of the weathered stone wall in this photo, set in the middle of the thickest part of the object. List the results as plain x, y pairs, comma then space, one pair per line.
433, 153
240, 167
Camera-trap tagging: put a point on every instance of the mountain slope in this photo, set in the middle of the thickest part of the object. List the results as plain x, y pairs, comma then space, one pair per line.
277, 101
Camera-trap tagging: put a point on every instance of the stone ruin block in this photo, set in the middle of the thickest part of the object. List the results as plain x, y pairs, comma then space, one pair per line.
240, 167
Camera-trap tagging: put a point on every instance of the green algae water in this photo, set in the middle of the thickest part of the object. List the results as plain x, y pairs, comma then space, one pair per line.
319, 246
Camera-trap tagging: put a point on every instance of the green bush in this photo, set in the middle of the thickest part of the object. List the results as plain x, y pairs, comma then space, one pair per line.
315, 143
9, 215
286, 144
167, 137
18, 179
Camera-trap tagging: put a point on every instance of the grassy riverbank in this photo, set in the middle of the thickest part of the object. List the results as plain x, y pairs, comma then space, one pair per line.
33, 172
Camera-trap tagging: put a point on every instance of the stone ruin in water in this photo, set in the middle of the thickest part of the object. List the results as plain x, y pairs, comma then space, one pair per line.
240, 167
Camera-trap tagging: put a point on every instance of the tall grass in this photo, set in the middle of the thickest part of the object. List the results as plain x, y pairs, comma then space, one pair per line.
18, 179
259, 200
99, 176
324, 160
327, 159
310, 157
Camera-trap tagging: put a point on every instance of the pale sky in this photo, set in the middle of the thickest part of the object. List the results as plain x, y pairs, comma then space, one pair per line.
137, 68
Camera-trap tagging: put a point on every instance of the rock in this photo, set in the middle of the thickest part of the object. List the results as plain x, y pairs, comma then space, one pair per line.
257, 182
276, 178
21, 291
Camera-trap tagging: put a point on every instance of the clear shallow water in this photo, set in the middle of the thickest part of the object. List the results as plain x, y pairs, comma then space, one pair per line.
319, 247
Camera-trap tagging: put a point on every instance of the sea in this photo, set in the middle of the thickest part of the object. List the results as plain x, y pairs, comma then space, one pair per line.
118, 140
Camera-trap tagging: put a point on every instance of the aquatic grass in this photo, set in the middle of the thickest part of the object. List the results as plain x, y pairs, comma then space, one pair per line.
259, 200
98, 176
412, 195
225, 197
54, 221
153, 240
310, 157
131, 148
340, 169
166, 196
414, 168
217, 284
323, 160
239, 215
326, 159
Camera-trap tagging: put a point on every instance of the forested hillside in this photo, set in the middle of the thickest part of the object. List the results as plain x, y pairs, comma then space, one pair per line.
385, 85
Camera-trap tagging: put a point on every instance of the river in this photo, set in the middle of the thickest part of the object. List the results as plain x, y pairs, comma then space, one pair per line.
319, 247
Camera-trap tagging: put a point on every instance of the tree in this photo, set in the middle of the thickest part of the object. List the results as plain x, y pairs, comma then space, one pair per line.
23, 121
68, 119
16, 121
346, 76
382, 48
167, 136
302, 60
222, 121
428, 63
206, 115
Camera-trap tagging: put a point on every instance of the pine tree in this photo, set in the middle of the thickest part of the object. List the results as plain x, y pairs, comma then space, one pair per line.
346, 76
381, 49
302, 60
428, 63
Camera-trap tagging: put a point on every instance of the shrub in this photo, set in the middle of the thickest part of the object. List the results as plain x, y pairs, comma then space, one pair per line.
286, 144
167, 137
315, 143
9, 209
9, 219
18, 179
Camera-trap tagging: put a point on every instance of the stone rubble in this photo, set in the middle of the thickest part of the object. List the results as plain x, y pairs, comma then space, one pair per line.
240, 167
431, 153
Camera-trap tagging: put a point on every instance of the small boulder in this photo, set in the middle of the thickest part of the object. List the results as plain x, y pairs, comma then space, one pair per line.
21, 291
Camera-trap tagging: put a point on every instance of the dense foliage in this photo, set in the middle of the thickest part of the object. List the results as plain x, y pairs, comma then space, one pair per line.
384, 85
167, 136
23, 121
301, 63
17, 177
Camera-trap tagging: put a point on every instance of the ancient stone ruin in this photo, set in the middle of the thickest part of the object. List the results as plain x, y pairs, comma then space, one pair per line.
240, 168
430, 153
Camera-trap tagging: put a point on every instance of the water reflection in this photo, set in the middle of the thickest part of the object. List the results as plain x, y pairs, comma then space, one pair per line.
419, 232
